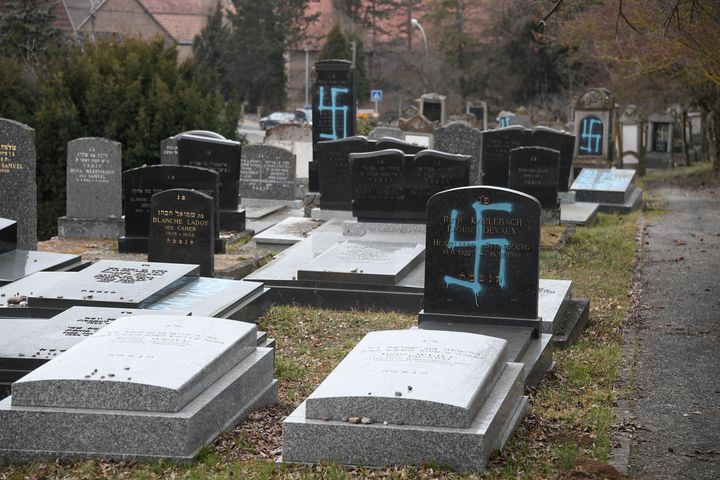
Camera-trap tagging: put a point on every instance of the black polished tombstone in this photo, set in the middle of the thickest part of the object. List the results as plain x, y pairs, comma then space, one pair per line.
182, 226
140, 184
405, 147
482, 258
8, 235
496, 146
557, 140
535, 171
334, 170
224, 157
333, 108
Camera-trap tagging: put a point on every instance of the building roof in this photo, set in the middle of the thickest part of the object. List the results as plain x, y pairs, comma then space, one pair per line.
181, 19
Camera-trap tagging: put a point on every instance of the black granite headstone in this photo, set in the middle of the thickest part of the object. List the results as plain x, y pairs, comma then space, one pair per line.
534, 170
482, 254
140, 184
432, 111
496, 146
267, 172
660, 137
334, 166
405, 147
557, 140
182, 226
8, 235
18, 187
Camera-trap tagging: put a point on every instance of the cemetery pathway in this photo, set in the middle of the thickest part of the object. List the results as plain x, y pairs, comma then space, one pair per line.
677, 355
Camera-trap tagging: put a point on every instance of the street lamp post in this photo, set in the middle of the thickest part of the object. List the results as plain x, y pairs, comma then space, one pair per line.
415, 23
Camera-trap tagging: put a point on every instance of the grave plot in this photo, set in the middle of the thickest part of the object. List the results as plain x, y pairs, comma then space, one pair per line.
143, 388
17, 264
611, 188
411, 397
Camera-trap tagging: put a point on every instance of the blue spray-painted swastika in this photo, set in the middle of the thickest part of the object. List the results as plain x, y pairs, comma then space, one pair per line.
591, 134
505, 121
474, 284
333, 108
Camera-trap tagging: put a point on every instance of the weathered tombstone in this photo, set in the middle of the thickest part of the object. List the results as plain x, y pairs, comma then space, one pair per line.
535, 171
594, 128
417, 123
94, 189
169, 151
182, 229
660, 141
479, 109
289, 132
461, 138
482, 258
432, 107
268, 173
631, 137
143, 387
224, 157
379, 132
445, 398
395, 143
18, 186
333, 109
496, 146
334, 162
140, 184
117, 283
611, 188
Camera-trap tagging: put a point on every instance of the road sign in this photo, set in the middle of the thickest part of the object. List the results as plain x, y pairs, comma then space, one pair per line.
376, 95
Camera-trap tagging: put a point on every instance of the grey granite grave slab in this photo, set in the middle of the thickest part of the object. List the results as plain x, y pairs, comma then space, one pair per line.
380, 132
116, 283
287, 232
603, 185
254, 212
18, 187
308, 438
16, 292
74, 433
326, 215
18, 264
364, 262
578, 213
155, 363
211, 297
552, 296
354, 228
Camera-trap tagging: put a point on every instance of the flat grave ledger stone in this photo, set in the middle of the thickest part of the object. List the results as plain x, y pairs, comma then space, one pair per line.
142, 388
224, 157
94, 189
182, 229
18, 187
397, 144
604, 186
18, 264
169, 151
496, 146
116, 283
482, 257
15, 294
445, 398
267, 172
287, 232
388, 185
535, 171
140, 184
334, 171
461, 138
363, 262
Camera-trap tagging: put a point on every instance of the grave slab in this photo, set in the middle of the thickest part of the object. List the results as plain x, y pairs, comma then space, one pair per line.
604, 186
578, 213
18, 291
287, 232
115, 283
18, 264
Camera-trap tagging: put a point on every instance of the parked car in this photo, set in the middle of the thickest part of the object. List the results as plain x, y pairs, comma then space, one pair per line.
277, 118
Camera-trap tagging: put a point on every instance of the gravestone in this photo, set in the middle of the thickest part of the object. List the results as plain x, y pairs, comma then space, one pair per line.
560, 141
496, 146
611, 188
593, 119
140, 184
169, 151
432, 107
392, 187
142, 388
444, 398
334, 163
380, 132
94, 189
267, 173
631, 124
479, 109
224, 157
8, 235
18, 187
117, 283
535, 171
182, 229
396, 143
482, 258
660, 141
461, 138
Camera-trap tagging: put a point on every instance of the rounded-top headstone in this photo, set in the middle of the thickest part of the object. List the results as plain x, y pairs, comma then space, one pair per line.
18, 187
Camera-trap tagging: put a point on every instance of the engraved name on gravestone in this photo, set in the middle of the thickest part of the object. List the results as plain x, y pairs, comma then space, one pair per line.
461, 138
116, 283
496, 146
182, 229
534, 170
94, 177
482, 253
267, 172
169, 151
334, 164
222, 156
18, 187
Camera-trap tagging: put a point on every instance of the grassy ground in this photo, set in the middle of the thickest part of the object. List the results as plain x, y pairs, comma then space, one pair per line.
569, 423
